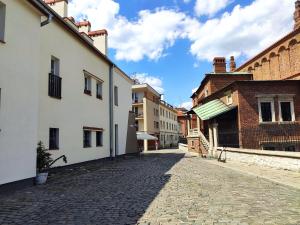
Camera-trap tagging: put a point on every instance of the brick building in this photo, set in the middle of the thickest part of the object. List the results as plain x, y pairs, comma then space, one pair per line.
255, 106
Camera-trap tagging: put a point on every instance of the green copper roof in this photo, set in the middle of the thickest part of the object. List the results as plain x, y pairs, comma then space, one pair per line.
212, 109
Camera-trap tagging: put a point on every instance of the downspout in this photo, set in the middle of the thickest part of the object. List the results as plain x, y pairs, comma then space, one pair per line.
49, 15
47, 21
111, 113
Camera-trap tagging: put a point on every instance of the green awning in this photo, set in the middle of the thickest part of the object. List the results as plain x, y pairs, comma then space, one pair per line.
212, 109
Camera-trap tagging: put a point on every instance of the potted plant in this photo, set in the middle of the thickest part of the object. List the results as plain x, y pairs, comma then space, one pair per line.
44, 162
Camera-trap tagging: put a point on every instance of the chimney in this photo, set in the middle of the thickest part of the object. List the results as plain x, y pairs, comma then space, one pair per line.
297, 15
59, 6
84, 26
100, 40
219, 65
232, 64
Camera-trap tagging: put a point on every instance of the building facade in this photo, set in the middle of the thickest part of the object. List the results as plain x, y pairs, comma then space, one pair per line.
255, 106
145, 105
67, 94
169, 129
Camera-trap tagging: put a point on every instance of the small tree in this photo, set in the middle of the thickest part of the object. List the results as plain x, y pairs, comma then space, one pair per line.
44, 159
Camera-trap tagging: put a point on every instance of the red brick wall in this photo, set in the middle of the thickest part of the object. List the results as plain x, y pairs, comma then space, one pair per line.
248, 103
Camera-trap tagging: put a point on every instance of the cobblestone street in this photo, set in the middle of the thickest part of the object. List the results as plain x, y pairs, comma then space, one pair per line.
167, 187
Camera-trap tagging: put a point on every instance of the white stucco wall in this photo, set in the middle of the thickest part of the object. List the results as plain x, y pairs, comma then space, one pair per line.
19, 91
121, 112
75, 109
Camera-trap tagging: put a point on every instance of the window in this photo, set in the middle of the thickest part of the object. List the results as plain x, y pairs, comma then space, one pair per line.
266, 110
99, 138
229, 98
286, 111
99, 90
54, 66
206, 93
87, 85
2, 21
154, 112
53, 139
116, 97
54, 82
87, 139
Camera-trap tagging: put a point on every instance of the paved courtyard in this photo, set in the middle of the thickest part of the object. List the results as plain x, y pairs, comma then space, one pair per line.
168, 187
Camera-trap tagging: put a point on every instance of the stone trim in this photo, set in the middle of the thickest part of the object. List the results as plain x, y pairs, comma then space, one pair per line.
292, 155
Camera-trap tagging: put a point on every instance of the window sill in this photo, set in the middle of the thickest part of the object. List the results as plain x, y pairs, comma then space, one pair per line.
99, 146
2, 41
87, 92
59, 98
287, 122
53, 149
99, 97
87, 146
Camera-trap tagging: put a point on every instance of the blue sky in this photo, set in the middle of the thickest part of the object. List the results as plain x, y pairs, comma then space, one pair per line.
170, 43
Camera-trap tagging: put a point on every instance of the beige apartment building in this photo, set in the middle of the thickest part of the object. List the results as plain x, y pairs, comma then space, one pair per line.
169, 128
145, 105
67, 94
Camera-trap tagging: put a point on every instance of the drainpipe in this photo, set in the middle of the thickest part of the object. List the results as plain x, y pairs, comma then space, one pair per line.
111, 112
42, 7
47, 21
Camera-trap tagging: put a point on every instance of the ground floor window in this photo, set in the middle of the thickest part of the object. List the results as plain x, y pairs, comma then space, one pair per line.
99, 138
53, 139
266, 110
286, 111
87, 139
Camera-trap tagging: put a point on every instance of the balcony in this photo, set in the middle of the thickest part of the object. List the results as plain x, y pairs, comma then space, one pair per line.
54, 86
139, 116
137, 101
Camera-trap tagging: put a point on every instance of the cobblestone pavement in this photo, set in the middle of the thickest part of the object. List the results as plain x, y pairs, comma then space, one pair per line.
168, 187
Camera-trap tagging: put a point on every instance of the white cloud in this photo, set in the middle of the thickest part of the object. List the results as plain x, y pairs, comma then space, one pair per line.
194, 90
210, 7
187, 105
147, 36
244, 31
153, 81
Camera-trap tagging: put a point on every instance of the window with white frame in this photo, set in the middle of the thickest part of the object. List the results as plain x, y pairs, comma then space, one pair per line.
87, 85
2, 21
54, 66
266, 110
206, 92
286, 110
229, 98
99, 90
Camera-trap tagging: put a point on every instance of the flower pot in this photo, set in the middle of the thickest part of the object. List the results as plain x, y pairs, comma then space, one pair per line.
41, 178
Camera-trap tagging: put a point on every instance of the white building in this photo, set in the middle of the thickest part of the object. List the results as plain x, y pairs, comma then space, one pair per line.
58, 86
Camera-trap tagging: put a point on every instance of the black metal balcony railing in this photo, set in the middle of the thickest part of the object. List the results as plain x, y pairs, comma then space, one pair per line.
54, 86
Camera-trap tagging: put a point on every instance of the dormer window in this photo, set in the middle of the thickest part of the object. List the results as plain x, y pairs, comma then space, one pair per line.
229, 98
206, 92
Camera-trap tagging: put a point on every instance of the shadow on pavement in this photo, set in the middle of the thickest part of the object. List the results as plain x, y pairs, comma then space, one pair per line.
106, 192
